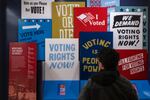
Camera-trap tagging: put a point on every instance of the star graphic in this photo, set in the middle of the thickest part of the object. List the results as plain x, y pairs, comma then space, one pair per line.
144, 16
138, 9
33, 20
48, 20
127, 10
25, 20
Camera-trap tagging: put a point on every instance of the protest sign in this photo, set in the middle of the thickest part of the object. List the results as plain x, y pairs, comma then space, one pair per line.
127, 28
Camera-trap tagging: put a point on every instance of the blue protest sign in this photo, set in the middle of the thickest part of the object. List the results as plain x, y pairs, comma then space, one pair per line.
35, 30
143, 89
90, 43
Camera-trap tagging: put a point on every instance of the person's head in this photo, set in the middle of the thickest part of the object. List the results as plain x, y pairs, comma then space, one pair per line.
108, 59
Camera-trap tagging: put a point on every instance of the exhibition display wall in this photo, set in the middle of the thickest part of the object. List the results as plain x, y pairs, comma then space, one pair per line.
51, 46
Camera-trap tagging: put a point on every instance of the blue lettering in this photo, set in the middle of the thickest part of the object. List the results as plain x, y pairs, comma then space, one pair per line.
61, 56
62, 47
72, 56
61, 65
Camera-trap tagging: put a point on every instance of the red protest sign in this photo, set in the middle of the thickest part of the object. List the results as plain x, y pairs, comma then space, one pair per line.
133, 64
89, 19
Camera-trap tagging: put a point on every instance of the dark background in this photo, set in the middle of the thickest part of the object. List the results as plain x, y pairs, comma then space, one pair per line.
10, 12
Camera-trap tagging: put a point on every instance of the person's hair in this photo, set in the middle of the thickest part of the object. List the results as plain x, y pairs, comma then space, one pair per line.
109, 58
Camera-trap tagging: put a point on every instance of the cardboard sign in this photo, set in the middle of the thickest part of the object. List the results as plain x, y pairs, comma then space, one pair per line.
90, 44
38, 9
22, 71
61, 70
62, 15
133, 64
89, 19
35, 30
128, 30
145, 19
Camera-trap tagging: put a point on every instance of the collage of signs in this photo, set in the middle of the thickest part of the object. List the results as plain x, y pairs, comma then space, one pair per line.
59, 28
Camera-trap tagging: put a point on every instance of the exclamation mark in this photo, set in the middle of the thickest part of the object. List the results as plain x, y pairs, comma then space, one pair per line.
137, 42
96, 16
43, 10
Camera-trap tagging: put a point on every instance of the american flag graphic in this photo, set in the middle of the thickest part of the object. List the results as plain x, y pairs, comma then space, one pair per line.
86, 17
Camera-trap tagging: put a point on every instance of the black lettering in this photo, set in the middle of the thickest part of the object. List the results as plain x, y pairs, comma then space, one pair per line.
144, 23
126, 43
144, 37
120, 43
131, 43
126, 21
119, 31
144, 30
36, 10
144, 44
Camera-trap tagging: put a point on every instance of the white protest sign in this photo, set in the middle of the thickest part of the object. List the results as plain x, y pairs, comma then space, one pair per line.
36, 9
127, 28
61, 59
